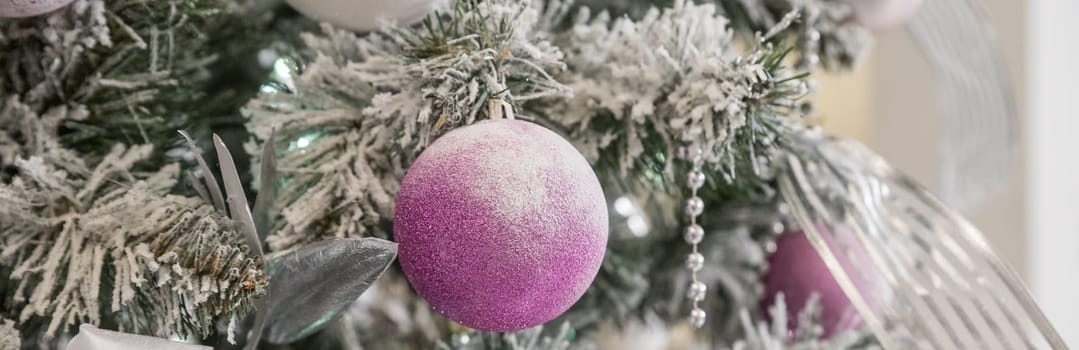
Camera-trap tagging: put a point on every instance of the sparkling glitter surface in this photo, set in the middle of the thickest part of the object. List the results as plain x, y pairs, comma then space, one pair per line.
501, 225
27, 8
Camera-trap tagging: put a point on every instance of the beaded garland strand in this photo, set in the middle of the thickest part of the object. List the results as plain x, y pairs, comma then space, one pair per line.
693, 235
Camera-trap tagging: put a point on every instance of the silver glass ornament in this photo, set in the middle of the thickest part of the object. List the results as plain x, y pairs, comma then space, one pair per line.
919, 275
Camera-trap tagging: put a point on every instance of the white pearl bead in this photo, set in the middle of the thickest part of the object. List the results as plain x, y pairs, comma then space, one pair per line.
696, 318
697, 290
695, 262
695, 179
694, 206
693, 234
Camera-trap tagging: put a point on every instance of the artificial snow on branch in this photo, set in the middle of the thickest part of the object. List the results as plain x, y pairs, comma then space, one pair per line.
775, 335
826, 33
172, 264
91, 232
133, 69
364, 107
645, 88
9, 336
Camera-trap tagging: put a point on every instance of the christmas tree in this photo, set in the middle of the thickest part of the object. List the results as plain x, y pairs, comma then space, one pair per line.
502, 174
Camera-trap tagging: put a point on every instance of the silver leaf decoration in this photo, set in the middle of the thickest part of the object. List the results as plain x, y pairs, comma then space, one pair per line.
93, 338
920, 275
979, 137
310, 286
235, 197
267, 187
238, 210
208, 176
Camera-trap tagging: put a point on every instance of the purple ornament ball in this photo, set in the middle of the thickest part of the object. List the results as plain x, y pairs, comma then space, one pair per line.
29, 8
796, 270
501, 225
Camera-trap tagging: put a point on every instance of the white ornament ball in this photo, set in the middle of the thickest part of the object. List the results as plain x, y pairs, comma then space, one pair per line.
365, 15
29, 8
883, 14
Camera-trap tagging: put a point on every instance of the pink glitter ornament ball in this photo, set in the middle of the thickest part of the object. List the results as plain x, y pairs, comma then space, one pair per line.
798, 271
501, 225
28, 8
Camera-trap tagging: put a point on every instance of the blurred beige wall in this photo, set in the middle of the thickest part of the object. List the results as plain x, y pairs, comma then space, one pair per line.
844, 102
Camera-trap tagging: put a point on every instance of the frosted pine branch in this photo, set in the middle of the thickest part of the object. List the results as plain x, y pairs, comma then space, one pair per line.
776, 336
24, 132
825, 32
90, 233
9, 336
621, 72
364, 107
172, 264
133, 69
645, 88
